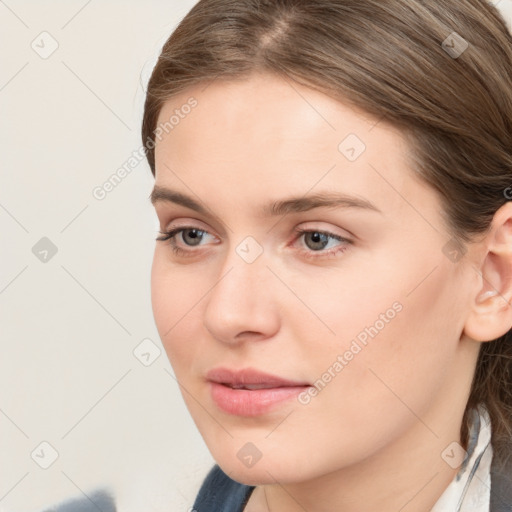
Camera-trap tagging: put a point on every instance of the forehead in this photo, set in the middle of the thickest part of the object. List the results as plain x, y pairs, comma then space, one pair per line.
265, 135
270, 109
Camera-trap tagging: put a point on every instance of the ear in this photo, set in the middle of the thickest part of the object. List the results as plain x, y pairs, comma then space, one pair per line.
491, 310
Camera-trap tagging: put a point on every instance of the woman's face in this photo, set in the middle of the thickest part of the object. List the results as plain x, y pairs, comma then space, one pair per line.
366, 307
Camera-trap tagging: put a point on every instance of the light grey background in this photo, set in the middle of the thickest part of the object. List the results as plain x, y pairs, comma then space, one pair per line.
69, 326
71, 322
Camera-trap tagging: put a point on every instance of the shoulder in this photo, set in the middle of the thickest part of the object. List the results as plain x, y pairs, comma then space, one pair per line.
221, 493
501, 484
100, 500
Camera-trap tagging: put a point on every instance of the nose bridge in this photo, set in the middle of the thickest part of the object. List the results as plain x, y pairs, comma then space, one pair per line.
244, 269
241, 300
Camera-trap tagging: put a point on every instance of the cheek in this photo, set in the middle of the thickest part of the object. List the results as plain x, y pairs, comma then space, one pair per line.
332, 309
175, 294
399, 321
398, 355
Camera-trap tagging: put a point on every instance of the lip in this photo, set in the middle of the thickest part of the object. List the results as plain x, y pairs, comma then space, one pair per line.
250, 402
250, 376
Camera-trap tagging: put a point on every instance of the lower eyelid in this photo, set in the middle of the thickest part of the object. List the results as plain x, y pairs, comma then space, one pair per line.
170, 235
173, 233
332, 251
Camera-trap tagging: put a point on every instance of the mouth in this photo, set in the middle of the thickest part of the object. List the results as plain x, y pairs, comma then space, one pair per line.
250, 386
250, 392
250, 378
246, 401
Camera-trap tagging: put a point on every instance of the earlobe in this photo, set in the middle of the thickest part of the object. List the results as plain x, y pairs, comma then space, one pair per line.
491, 311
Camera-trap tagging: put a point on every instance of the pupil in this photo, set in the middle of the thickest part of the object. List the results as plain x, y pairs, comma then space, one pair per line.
193, 233
317, 238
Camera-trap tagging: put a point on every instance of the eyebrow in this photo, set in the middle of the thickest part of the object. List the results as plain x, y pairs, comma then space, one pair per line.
282, 207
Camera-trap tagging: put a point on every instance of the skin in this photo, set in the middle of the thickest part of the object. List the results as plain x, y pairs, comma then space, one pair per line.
372, 439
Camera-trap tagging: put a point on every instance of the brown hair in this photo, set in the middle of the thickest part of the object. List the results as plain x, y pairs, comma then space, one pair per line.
393, 59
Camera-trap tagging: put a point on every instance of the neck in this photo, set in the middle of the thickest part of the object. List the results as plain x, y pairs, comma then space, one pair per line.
407, 475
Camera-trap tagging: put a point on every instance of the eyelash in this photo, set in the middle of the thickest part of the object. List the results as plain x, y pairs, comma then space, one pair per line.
168, 236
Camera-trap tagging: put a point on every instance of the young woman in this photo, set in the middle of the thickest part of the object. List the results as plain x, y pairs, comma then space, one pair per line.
333, 277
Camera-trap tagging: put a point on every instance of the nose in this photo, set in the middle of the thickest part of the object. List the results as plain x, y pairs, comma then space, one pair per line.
242, 304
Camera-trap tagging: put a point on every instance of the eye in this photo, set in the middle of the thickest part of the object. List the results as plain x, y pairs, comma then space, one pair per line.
316, 241
188, 233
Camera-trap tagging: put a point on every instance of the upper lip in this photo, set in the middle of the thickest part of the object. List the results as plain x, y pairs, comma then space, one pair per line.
248, 376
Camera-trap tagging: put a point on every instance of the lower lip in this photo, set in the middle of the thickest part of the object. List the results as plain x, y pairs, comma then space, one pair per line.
251, 402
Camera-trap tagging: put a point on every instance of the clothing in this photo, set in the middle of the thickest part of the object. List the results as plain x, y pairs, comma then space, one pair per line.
100, 500
219, 493
469, 491
479, 485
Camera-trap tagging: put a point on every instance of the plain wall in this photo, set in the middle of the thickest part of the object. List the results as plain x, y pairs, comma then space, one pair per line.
70, 321
69, 325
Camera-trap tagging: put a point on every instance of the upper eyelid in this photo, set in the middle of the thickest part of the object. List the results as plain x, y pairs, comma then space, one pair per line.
298, 232
191, 225
344, 242
162, 212
179, 229
199, 228
164, 209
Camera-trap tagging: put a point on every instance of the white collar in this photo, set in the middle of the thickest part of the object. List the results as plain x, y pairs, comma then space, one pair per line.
469, 491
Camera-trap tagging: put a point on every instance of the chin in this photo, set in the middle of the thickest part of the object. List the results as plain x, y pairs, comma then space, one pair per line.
257, 475
267, 470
